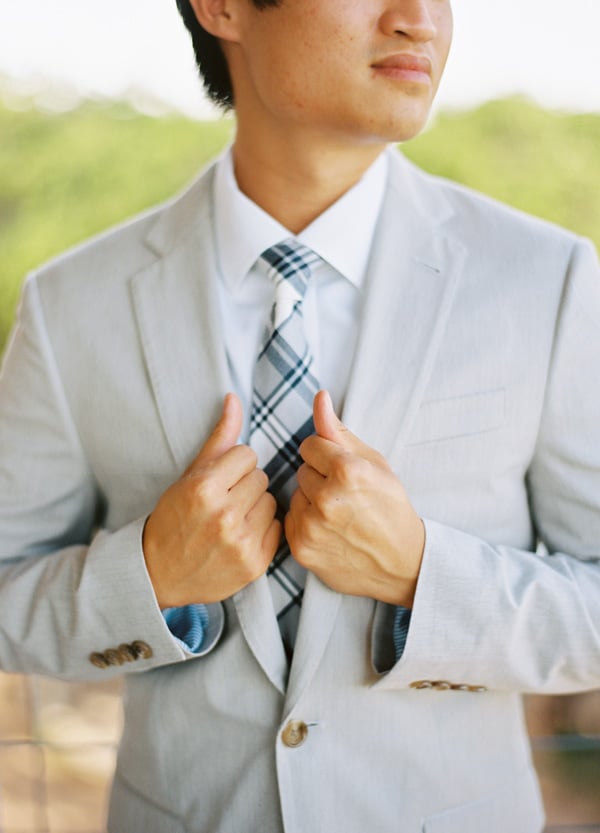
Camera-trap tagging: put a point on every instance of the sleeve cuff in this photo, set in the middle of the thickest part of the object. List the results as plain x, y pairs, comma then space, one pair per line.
400, 630
197, 627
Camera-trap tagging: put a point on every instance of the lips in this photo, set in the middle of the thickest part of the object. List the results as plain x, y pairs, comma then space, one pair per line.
405, 65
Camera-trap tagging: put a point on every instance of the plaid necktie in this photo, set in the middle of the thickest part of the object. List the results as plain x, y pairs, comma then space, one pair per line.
281, 418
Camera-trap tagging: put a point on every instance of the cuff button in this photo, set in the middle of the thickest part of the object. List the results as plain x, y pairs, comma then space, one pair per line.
98, 660
112, 657
141, 649
421, 684
126, 653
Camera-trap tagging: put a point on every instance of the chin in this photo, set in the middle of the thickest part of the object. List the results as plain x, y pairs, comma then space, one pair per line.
403, 132
401, 124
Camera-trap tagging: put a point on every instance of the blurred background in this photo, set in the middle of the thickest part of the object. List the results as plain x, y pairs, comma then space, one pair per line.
102, 115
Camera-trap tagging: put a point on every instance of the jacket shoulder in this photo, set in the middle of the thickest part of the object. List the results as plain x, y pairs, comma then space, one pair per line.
482, 220
115, 255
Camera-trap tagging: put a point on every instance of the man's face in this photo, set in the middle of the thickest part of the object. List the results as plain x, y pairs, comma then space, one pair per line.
362, 70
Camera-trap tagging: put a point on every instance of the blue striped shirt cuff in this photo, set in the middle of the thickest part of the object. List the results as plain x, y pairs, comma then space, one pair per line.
188, 625
400, 630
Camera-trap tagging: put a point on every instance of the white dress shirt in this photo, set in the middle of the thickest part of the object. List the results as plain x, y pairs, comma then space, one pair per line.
342, 236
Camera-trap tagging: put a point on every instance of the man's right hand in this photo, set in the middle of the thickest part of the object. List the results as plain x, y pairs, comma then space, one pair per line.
214, 530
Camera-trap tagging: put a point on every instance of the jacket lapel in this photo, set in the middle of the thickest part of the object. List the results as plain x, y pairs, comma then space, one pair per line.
320, 607
411, 281
256, 615
177, 310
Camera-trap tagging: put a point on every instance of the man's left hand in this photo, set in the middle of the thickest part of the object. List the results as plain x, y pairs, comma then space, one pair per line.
350, 521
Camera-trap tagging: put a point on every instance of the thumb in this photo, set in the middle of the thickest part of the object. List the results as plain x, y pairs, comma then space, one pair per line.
328, 426
225, 434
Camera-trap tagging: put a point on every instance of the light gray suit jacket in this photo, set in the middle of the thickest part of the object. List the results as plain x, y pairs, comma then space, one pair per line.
477, 375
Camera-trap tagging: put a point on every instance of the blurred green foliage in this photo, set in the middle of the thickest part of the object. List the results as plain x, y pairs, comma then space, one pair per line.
543, 162
65, 177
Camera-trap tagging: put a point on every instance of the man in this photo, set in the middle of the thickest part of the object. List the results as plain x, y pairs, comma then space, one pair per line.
372, 680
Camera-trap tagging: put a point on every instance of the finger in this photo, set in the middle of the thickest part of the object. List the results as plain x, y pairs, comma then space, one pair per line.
263, 512
225, 473
329, 427
271, 541
224, 435
250, 490
326, 422
298, 503
310, 481
319, 453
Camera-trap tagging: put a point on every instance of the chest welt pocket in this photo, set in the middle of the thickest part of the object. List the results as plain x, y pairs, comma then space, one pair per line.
460, 416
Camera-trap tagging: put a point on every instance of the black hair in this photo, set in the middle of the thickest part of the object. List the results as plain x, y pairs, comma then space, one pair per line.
210, 59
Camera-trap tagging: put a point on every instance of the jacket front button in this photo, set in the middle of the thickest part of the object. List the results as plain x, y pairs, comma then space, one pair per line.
294, 734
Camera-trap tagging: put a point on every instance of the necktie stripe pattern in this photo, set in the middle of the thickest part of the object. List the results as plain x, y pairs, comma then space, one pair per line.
281, 418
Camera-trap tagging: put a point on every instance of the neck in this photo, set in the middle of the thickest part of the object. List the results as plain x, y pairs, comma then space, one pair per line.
297, 180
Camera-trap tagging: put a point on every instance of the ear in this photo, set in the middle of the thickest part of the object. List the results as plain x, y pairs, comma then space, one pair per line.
218, 17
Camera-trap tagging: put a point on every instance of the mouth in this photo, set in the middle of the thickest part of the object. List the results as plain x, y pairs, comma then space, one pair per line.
405, 67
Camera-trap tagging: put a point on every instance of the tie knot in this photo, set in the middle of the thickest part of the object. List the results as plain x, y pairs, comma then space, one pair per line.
290, 262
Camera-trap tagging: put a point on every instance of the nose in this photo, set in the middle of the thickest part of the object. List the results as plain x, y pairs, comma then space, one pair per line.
411, 18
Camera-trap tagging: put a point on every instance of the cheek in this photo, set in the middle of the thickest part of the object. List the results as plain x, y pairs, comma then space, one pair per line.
445, 27
311, 84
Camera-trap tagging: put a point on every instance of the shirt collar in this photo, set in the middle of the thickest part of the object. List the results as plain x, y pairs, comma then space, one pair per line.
342, 235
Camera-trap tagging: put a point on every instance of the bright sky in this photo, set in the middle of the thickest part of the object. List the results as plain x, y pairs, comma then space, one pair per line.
547, 49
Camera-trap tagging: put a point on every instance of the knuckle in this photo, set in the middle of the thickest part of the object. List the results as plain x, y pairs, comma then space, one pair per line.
324, 502
302, 553
307, 529
296, 501
202, 487
269, 504
225, 520
247, 455
305, 446
379, 460
262, 479
345, 469
250, 564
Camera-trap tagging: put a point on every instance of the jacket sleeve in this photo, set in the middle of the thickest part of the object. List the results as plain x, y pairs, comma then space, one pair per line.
75, 601
495, 617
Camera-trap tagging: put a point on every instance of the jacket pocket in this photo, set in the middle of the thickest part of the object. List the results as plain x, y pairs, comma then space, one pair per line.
461, 416
131, 812
514, 808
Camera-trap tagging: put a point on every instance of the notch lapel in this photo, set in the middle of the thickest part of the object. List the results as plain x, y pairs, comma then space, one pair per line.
410, 285
320, 607
179, 321
256, 615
